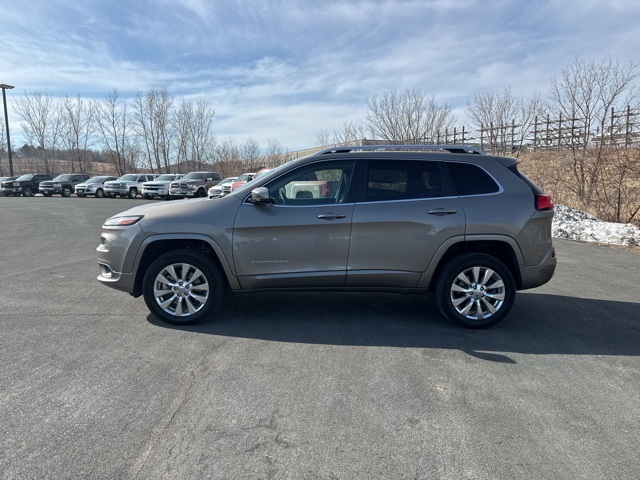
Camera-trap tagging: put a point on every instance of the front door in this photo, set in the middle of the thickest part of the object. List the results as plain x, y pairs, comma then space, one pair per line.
302, 238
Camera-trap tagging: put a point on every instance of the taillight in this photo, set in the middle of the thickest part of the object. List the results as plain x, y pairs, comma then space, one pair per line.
544, 202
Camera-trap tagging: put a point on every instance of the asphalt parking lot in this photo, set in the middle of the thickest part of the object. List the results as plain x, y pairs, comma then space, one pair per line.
307, 386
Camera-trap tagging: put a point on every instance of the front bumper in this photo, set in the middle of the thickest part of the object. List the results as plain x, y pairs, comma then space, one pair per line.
85, 191
182, 193
116, 191
155, 191
50, 190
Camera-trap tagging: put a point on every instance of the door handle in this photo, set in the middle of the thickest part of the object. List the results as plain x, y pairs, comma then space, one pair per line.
442, 211
331, 216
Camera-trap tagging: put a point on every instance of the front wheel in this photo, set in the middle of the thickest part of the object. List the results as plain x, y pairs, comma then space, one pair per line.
133, 192
66, 191
99, 193
27, 192
183, 287
475, 291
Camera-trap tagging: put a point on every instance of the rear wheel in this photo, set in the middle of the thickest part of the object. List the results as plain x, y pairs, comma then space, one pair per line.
182, 287
475, 291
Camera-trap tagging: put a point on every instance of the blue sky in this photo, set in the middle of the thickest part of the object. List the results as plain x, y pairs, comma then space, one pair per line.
287, 69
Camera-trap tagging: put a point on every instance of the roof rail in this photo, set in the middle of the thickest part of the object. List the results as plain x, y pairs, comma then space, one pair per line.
381, 148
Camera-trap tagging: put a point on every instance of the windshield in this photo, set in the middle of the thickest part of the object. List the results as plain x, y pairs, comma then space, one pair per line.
165, 178
95, 180
62, 178
194, 176
128, 178
28, 176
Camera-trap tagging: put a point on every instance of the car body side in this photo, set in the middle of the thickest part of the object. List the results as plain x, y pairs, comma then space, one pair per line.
504, 225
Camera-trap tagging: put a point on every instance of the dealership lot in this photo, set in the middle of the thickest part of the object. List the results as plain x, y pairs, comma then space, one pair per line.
294, 385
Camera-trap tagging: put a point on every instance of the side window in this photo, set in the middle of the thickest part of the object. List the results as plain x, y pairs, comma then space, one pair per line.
402, 180
322, 183
471, 180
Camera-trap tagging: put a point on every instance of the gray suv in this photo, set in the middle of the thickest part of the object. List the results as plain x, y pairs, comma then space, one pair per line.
451, 220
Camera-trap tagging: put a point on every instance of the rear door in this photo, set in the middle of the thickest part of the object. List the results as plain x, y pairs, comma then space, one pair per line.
405, 211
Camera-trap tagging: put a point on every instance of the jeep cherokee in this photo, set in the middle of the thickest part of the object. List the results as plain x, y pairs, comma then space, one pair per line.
451, 220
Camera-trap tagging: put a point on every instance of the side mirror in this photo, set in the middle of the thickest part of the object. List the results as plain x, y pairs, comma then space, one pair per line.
209, 179
260, 196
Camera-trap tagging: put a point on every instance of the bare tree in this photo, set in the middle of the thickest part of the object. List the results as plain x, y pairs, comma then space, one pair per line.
250, 154
504, 120
350, 133
584, 94
409, 116
77, 132
41, 126
227, 155
113, 124
201, 137
275, 154
152, 116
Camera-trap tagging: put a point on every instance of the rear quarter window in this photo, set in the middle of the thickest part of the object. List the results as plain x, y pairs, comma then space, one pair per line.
470, 179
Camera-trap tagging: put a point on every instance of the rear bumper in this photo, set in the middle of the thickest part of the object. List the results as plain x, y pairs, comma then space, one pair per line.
537, 275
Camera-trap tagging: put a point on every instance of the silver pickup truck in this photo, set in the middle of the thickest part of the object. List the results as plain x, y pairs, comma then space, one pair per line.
128, 185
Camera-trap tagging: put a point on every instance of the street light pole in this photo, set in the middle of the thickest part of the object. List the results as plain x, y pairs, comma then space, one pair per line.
6, 87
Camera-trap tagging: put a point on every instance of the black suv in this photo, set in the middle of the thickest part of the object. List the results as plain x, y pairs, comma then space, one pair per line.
63, 184
466, 226
25, 185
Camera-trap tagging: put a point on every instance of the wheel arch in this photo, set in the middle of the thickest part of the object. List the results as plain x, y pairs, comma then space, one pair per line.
155, 246
502, 248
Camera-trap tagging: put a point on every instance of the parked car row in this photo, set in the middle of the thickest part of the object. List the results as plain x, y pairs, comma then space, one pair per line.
148, 185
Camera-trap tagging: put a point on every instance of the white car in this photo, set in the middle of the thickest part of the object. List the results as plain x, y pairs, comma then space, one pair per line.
219, 190
94, 186
159, 187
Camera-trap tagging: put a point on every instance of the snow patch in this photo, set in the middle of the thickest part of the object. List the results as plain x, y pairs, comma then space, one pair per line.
576, 225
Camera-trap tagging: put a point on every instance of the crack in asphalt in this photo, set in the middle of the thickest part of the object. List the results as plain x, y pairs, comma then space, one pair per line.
160, 430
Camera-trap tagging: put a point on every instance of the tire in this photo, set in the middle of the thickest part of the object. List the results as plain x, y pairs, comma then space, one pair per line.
66, 192
148, 197
173, 287
111, 195
475, 291
99, 193
201, 193
133, 193
27, 192
47, 194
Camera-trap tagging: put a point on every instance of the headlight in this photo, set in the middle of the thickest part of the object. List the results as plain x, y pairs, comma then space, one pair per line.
122, 220
58, 185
